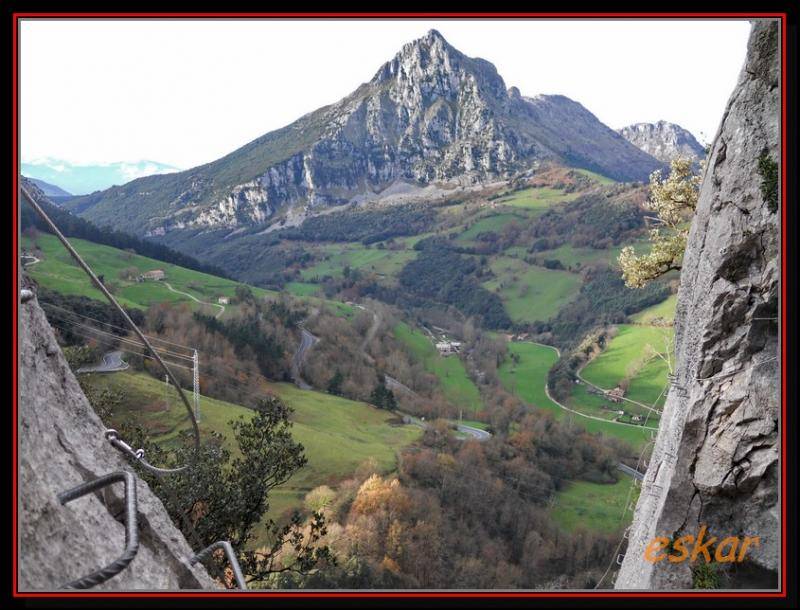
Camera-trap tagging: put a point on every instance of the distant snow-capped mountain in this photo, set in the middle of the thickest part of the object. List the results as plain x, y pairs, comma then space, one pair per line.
81, 179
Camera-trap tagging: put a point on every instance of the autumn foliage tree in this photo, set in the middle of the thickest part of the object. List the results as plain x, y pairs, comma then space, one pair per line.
673, 199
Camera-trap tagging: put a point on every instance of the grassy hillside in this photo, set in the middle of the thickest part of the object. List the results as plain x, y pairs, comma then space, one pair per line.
627, 356
530, 293
456, 385
494, 223
604, 180
59, 272
338, 434
335, 257
594, 506
664, 311
538, 199
527, 379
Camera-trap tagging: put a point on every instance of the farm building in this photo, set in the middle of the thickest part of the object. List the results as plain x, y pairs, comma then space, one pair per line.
223, 300
615, 395
155, 274
448, 347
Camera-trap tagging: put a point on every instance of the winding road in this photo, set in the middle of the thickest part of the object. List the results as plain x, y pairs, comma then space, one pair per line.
195, 299
476, 433
33, 260
307, 341
623, 467
111, 363
566, 408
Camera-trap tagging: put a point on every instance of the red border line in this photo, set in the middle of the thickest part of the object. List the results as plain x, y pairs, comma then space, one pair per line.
17, 16
15, 224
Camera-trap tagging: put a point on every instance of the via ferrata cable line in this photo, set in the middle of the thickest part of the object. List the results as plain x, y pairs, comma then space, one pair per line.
112, 436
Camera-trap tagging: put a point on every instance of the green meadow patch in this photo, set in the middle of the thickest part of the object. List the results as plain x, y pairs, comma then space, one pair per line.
595, 506
662, 311
457, 387
527, 377
524, 373
536, 199
338, 434
604, 180
629, 355
494, 223
59, 272
530, 293
336, 257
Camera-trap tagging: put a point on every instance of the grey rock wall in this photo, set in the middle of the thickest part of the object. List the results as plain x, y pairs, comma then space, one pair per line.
61, 445
716, 457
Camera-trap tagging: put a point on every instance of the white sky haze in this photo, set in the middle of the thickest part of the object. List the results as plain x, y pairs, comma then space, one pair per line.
188, 92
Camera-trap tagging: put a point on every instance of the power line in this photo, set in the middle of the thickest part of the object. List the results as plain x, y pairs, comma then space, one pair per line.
100, 286
74, 313
113, 342
121, 337
109, 343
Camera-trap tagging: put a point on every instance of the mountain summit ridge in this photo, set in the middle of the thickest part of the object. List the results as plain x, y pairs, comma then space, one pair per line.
429, 116
664, 140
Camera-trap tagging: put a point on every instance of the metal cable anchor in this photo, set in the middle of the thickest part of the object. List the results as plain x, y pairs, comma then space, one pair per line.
131, 526
112, 436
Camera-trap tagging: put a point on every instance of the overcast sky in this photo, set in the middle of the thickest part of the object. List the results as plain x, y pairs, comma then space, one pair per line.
188, 92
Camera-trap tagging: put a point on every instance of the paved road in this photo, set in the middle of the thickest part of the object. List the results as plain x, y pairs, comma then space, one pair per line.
566, 408
307, 341
477, 433
111, 363
376, 322
393, 384
631, 471
196, 300
32, 260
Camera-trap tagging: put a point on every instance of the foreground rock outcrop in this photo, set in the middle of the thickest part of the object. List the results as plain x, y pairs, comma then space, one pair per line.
717, 454
61, 445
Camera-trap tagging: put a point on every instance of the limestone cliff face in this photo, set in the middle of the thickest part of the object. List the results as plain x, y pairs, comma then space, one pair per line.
716, 456
61, 445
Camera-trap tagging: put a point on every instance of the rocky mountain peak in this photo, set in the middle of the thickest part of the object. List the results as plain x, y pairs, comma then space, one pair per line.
663, 140
430, 116
433, 66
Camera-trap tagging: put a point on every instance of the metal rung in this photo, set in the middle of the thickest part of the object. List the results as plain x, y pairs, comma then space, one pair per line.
229, 553
131, 527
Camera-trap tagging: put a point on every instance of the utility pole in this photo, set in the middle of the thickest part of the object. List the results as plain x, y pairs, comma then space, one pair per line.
196, 384
166, 393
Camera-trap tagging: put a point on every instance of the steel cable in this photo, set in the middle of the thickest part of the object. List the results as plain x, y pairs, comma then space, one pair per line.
38, 209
